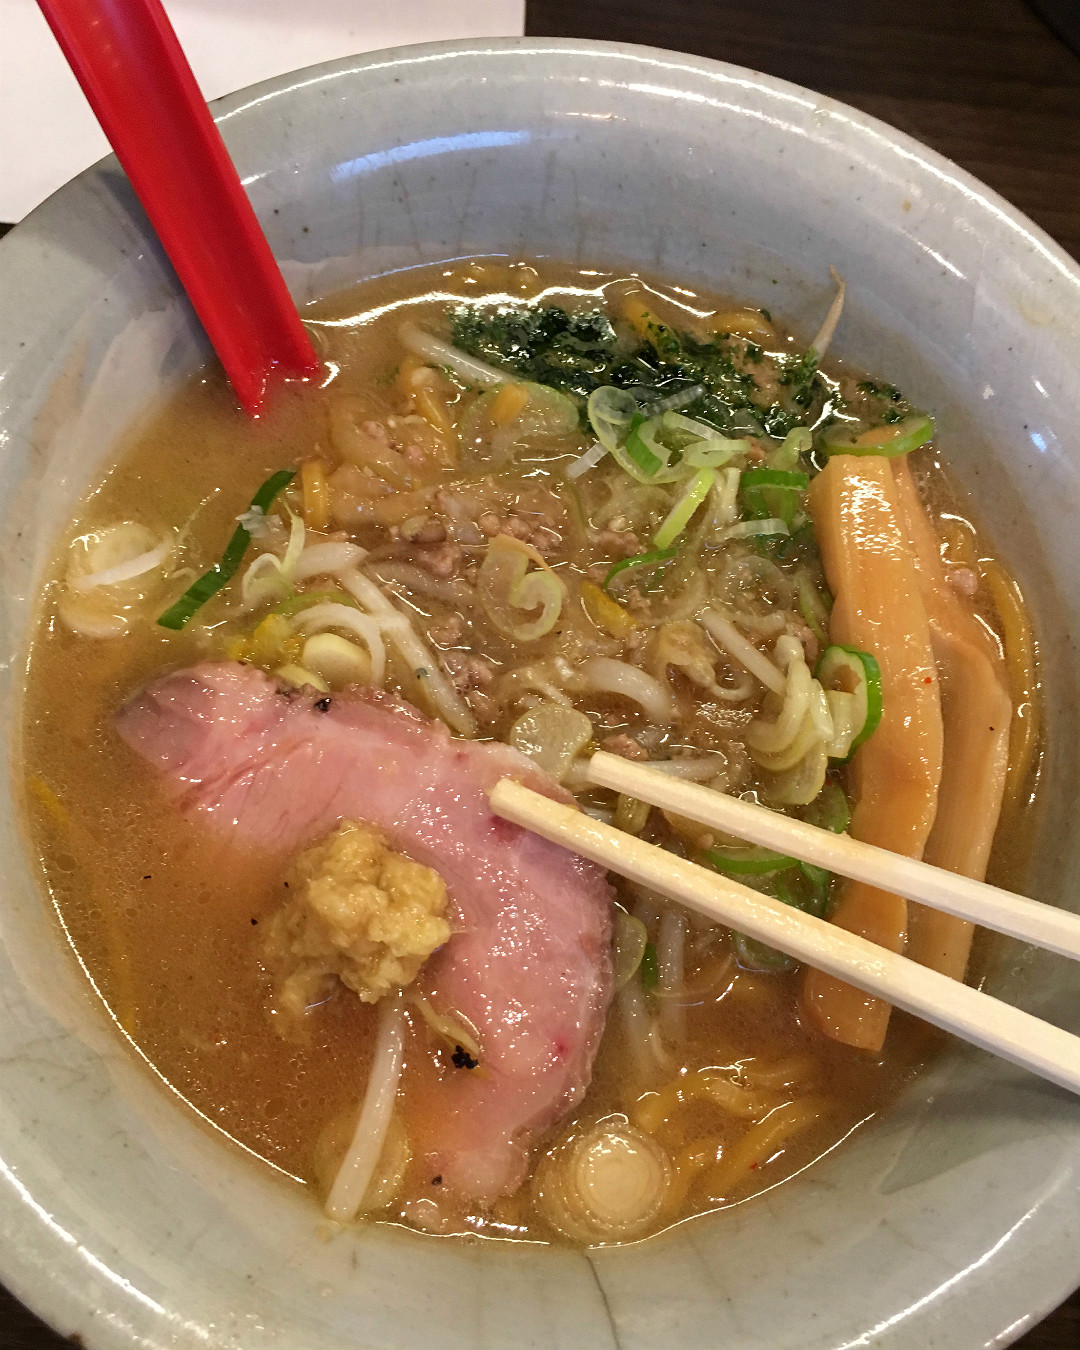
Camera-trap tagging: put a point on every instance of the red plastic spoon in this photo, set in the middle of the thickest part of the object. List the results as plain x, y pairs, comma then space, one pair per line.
133, 71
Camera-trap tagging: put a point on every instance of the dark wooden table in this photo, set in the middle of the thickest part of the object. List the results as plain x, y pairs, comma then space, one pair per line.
986, 82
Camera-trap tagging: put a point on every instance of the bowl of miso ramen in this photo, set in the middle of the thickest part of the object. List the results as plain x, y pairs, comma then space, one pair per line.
665, 411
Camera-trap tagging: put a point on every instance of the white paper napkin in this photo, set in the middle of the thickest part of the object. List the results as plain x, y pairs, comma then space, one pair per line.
48, 133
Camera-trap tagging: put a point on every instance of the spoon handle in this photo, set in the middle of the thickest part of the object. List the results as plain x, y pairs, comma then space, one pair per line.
133, 71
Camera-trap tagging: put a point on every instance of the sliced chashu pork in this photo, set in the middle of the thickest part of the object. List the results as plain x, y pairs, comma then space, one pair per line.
529, 963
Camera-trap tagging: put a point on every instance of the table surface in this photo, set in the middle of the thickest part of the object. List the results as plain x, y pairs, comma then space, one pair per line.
985, 82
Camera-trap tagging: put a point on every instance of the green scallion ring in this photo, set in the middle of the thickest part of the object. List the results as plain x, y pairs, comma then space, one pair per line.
865, 673
748, 862
208, 585
890, 441
651, 559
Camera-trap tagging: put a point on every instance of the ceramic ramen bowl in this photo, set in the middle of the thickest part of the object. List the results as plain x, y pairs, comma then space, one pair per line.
953, 1222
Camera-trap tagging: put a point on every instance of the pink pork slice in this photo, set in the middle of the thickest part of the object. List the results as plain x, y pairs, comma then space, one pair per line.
529, 963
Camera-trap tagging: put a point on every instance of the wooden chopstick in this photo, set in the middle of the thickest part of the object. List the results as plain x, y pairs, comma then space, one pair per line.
1058, 930
966, 1012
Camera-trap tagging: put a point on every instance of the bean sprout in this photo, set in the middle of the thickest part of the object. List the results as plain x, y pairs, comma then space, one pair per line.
362, 1156
421, 660
440, 353
733, 642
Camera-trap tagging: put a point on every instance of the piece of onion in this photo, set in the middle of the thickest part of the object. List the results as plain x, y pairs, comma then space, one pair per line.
337, 660
752, 529
135, 558
801, 784
551, 736
330, 615
509, 592
326, 558
301, 678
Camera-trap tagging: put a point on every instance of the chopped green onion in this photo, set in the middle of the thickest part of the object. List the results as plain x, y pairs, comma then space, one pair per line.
638, 449
829, 810
650, 967
812, 606
863, 671
900, 438
773, 494
797, 442
610, 413
650, 559
748, 862
680, 514
208, 585
751, 529
298, 602
818, 880
754, 955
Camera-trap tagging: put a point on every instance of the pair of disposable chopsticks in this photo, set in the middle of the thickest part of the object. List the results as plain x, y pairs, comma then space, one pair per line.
966, 1012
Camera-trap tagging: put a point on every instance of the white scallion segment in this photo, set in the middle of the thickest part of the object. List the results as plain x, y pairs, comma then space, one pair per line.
125, 569
441, 353
682, 512
611, 412
820, 344
327, 558
362, 1156
847, 719
605, 675
589, 460
726, 635
630, 939
329, 615
726, 497
771, 736
337, 660
300, 676
750, 529
295, 546
262, 582
552, 736
270, 577
445, 699
673, 402
797, 442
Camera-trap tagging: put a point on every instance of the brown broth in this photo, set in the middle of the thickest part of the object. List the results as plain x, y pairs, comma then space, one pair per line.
167, 922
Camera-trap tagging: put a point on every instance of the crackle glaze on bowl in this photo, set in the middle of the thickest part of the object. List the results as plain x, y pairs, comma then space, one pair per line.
950, 1225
